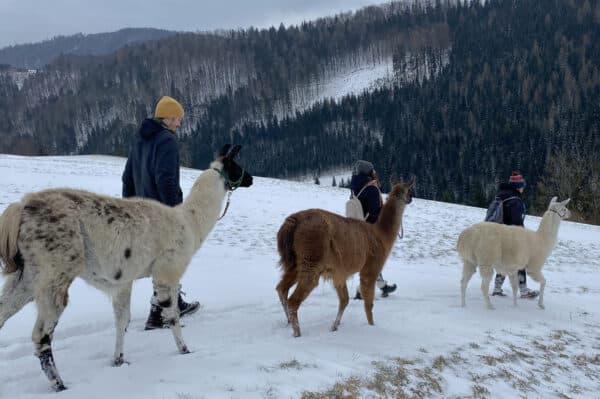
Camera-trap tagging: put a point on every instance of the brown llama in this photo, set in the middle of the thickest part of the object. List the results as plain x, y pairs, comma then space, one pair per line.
316, 243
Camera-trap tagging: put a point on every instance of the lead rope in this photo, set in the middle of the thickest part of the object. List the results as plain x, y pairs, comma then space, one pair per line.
232, 186
226, 205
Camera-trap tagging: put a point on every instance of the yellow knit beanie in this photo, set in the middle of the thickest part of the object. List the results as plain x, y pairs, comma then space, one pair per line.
168, 107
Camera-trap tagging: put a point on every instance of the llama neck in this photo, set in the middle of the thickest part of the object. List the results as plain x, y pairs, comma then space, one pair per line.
390, 219
548, 230
202, 206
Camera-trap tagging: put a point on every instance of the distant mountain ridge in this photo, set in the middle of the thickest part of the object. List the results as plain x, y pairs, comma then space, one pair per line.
36, 55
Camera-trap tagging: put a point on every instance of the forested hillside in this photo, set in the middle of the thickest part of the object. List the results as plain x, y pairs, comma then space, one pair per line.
264, 73
520, 91
475, 91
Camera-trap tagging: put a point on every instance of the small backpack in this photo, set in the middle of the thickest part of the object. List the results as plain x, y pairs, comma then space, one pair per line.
495, 212
354, 208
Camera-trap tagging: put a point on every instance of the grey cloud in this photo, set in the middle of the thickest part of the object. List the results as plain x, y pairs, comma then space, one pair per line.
25, 21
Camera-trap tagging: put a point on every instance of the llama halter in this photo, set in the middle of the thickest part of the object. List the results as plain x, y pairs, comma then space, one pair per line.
562, 216
231, 186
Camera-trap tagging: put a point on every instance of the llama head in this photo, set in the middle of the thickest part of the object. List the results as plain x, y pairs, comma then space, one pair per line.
560, 208
234, 175
402, 191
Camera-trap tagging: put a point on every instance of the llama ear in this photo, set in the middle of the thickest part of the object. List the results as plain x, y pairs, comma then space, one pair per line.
234, 151
393, 179
565, 202
224, 150
412, 181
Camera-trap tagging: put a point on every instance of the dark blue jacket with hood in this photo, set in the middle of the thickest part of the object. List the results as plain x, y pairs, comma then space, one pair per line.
369, 198
152, 169
514, 209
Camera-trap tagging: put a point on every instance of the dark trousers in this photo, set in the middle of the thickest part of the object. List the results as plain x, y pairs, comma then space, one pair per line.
520, 274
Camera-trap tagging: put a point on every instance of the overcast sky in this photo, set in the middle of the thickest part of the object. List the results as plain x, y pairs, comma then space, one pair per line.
26, 21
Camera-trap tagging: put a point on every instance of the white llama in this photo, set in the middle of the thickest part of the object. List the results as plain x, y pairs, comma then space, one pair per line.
51, 237
509, 249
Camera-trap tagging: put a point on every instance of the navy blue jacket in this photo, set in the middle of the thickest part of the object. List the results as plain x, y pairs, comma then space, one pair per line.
152, 169
514, 209
369, 198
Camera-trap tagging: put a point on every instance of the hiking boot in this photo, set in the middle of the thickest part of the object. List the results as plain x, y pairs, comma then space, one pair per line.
154, 318
387, 289
498, 292
357, 296
186, 308
529, 293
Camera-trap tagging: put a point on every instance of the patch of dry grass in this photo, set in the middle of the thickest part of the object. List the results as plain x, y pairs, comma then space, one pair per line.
347, 389
529, 365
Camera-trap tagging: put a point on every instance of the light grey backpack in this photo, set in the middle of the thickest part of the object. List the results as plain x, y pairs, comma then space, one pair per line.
354, 207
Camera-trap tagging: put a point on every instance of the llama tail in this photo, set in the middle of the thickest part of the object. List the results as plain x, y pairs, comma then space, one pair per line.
17, 290
460, 243
463, 244
10, 221
285, 243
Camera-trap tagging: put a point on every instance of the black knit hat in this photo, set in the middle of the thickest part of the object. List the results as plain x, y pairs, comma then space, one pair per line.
363, 168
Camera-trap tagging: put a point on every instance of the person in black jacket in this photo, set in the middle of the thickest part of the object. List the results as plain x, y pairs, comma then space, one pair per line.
364, 178
152, 171
514, 211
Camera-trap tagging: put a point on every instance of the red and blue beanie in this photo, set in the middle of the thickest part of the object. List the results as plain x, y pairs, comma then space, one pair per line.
516, 180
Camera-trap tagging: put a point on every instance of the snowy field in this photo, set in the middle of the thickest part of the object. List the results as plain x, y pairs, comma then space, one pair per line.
423, 344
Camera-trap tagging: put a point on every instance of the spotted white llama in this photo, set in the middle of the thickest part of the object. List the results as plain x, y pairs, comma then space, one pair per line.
509, 249
51, 237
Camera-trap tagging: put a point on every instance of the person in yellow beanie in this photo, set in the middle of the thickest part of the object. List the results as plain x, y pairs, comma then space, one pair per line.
152, 171
168, 108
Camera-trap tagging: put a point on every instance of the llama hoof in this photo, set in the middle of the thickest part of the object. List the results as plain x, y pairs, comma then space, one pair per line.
491, 307
184, 350
59, 387
118, 362
541, 306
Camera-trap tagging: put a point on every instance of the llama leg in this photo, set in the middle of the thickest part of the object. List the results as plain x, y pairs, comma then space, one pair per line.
514, 285
16, 293
367, 290
121, 301
167, 300
287, 281
344, 298
468, 271
539, 277
307, 282
486, 277
51, 302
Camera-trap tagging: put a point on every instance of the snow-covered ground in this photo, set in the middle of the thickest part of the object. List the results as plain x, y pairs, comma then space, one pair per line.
423, 343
